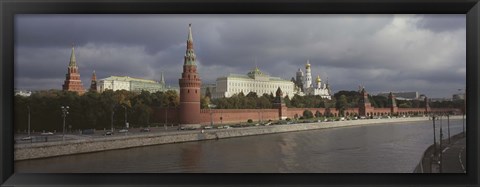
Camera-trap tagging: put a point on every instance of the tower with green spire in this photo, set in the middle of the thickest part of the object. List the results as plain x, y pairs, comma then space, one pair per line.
72, 78
189, 83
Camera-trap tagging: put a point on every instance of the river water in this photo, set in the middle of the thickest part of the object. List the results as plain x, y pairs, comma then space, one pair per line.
380, 148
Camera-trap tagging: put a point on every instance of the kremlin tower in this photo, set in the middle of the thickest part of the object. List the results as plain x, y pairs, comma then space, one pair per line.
93, 84
72, 78
190, 87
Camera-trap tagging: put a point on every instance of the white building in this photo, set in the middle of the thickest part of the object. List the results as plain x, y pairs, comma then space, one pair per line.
130, 84
304, 85
320, 89
24, 93
255, 81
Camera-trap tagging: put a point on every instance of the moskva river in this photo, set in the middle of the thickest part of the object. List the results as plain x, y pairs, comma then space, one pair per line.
381, 148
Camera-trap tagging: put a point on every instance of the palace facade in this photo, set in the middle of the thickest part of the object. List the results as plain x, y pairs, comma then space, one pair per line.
254, 81
131, 84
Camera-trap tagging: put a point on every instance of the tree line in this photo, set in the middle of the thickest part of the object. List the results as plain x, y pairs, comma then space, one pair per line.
342, 101
90, 110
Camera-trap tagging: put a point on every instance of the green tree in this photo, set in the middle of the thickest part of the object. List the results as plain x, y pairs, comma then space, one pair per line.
307, 114
342, 104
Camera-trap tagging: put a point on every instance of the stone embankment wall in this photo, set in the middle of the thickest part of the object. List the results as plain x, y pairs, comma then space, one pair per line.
51, 149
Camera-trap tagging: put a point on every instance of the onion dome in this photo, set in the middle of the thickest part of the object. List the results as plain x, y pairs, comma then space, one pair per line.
319, 79
307, 66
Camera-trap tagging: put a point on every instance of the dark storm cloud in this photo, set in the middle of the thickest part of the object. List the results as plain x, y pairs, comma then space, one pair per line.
441, 23
411, 51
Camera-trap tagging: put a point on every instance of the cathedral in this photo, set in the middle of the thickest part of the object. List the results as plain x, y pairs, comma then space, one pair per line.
305, 86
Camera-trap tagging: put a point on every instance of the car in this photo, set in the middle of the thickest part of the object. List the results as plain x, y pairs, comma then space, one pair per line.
123, 131
27, 138
227, 127
342, 119
181, 128
47, 133
108, 133
207, 127
145, 130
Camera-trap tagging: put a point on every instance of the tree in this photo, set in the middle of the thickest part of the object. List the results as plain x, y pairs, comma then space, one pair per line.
208, 93
307, 114
342, 104
204, 102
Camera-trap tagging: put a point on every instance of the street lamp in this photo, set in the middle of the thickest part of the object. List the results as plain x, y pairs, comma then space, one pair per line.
464, 109
64, 114
434, 136
111, 122
28, 120
210, 106
166, 116
448, 123
126, 123
441, 137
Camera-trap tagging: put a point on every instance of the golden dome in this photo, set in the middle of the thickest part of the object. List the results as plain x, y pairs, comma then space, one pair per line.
307, 66
319, 79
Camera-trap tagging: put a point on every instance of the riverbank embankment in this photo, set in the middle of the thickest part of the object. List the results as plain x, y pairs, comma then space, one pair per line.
449, 157
52, 149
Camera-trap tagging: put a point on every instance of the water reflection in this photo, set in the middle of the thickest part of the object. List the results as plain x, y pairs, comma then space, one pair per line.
383, 148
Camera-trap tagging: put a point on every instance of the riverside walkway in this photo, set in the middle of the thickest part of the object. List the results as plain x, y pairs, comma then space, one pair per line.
452, 159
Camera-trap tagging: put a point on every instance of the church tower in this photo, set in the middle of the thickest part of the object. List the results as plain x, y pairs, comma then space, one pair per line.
93, 84
319, 82
72, 78
299, 79
308, 75
364, 105
190, 87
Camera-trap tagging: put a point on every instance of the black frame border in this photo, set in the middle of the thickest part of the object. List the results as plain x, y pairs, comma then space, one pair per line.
8, 8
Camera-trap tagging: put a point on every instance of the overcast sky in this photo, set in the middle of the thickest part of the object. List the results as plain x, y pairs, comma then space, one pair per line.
424, 53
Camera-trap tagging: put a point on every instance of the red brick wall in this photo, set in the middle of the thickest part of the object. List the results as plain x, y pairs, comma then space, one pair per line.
242, 115
291, 112
237, 115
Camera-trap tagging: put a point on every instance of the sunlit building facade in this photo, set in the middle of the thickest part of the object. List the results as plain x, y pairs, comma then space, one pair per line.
130, 84
255, 81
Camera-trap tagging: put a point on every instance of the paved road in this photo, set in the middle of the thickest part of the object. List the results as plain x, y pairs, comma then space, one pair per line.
454, 157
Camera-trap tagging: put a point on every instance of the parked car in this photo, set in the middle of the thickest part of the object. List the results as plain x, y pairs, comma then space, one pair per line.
207, 127
145, 130
227, 127
47, 133
123, 131
108, 133
88, 131
27, 138
181, 128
